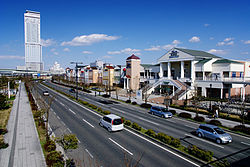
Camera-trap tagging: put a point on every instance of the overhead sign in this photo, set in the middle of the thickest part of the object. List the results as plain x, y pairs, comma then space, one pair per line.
174, 54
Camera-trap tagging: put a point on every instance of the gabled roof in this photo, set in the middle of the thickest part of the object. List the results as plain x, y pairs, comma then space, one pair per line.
197, 53
203, 61
133, 57
226, 61
109, 67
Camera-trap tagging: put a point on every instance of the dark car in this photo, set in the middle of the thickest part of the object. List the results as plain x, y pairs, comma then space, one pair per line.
72, 90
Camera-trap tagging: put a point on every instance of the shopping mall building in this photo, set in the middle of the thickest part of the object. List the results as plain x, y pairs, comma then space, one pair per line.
185, 70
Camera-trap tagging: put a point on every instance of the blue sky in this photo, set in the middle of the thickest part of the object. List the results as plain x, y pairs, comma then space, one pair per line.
111, 30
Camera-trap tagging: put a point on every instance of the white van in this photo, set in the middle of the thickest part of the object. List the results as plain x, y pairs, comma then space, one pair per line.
112, 122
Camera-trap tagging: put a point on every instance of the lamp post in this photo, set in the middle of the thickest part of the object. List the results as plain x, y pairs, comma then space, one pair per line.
210, 97
76, 68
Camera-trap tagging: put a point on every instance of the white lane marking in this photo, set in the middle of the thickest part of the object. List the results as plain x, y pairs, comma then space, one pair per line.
119, 110
246, 143
62, 104
63, 123
120, 146
88, 123
171, 120
238, 135
72, 111
125, 128
161, 147
69, 130
78, 140
204, 140
189, 126
89, 153
58, 117
147, 121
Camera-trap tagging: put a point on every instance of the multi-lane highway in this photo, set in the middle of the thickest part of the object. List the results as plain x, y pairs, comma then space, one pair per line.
175, 127
109, 148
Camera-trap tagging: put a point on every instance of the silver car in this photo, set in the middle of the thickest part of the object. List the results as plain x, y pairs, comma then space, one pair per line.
214, 133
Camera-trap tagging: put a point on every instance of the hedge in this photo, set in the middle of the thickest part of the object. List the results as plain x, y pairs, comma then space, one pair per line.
199, 118
136, 126
105, 95
202, 154
54, 158
145, 105
151, 133
215, 122
185, 115
242, 128
127, 122
50, 145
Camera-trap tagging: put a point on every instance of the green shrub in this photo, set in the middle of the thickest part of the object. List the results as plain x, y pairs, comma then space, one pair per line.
242, 128
185, 115
151, 133
99, 109
54, 159
3, 101
127, 122
123, 119
106, 112
172, 111
37, 114
145, 105
164, 138
134, 103
92, 106
3, 145
215, 122
199, 153
136, 126
128, 101
175, 142
199, 118
50, 146
85, 103
3, 131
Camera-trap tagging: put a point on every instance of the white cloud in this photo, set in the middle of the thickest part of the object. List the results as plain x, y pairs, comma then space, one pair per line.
125, 51
226, 41
194, 39
87, 52
47, 42
66, 49
219, 52
176, 42
89, 39
107, 57
206, 25
55, 53
167, 47
247, 42
11, 57
245, 53
153, 48
211, 38
53, 49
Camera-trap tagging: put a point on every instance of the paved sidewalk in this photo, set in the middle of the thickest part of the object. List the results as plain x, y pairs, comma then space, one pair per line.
24, 145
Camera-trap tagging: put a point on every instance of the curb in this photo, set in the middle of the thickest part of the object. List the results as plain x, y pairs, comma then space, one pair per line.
194, 159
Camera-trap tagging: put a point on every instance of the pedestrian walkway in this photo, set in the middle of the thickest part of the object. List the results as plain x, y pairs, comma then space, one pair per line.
24, 145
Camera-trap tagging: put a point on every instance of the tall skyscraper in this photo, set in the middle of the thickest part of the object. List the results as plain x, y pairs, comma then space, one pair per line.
33, 48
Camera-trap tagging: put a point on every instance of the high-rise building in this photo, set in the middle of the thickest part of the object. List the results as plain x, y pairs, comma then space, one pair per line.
33, 48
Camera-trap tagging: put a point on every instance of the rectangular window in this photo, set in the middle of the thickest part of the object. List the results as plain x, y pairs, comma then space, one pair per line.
233, 74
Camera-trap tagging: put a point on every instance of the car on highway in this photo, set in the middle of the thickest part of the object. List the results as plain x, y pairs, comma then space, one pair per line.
45, 93
72, 90
214, 133
112, 122
160, 111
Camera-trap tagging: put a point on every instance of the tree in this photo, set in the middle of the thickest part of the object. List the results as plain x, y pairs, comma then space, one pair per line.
195, 99
68, 141
3, 101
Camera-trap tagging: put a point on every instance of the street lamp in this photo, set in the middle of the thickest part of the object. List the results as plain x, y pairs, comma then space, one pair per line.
76, 68
210, 97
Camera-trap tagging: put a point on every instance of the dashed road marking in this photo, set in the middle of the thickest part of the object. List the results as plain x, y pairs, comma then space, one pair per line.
89, 153
148, 121
88, 123
246, 143
69, 130
72, 111
120, 146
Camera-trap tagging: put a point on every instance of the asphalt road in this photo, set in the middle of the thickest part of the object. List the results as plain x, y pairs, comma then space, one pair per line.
176, 127
107, 148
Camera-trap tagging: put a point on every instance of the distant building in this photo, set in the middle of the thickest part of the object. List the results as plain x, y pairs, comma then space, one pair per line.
108, 76
97, 64
33, 48
56, 69
132, 78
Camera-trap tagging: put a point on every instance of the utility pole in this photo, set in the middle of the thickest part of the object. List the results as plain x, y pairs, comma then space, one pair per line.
76, 68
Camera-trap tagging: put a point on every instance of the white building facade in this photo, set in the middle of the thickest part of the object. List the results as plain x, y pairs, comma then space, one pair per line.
33, 48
